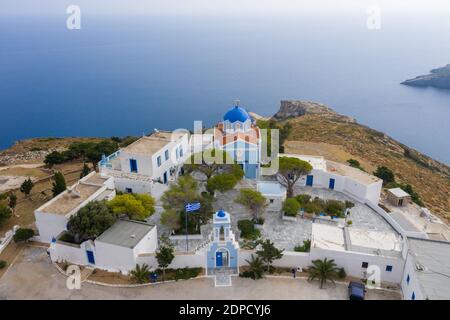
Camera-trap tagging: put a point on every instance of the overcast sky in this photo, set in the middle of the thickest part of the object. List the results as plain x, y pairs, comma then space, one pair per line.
191, 7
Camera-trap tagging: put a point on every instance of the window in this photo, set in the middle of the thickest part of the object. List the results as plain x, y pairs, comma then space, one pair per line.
129, 190
158, 160
166, 154
181, 151
389, 268
271, 200
177, 153
413, 296
408, 279
365, 265
133, 165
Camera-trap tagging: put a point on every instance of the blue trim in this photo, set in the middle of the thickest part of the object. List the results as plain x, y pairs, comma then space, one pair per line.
90, 256
331, 184
133, 165
309, 180
236, 114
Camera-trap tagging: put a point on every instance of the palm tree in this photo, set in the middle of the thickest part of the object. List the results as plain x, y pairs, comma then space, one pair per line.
323, 270
141, 273
256, 267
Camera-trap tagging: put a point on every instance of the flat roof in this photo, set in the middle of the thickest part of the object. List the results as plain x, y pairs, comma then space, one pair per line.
398, 192
329, 237
125, 233
153, 143
271, 188
69, 200
387, 241
344, 170
433, 257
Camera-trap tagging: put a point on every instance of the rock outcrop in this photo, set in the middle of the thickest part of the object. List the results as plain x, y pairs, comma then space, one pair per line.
297, 108
438, 78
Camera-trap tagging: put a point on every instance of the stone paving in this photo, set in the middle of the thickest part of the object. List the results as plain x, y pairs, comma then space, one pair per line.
285, 234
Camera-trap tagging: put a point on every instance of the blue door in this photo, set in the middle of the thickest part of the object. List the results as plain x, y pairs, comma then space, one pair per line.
165, 177
219, 262
133, 165
331, 185
309, 180
90, 256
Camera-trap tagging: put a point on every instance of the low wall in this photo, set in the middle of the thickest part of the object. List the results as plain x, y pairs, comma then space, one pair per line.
193, 260
7, 238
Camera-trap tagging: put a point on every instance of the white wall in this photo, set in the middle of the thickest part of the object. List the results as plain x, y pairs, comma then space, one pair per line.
49, 225
352, 263
113, 258
195, 260
414, 285
148, 244
71, 253
144, 163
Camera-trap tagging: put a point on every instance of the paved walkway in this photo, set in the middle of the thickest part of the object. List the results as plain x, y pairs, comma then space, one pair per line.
33, 277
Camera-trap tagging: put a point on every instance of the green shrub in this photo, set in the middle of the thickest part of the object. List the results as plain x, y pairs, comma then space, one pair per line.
334, 208
341, 273
3, 264
303, 199
291, 207
349, 204
248, 230
306, 247
23, 234
349, 222
187, 273
259, 221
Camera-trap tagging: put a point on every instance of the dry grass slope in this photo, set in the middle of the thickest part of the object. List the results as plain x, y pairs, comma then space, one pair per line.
430, 178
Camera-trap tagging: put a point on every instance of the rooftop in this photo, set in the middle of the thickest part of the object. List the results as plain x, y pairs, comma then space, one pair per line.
271, 188
69, 200
149, 145
327, 237
348, 171
75, 195
375, 240
433, 258
398, 192
125, 233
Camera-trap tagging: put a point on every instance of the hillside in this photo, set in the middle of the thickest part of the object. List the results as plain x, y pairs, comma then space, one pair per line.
317, 129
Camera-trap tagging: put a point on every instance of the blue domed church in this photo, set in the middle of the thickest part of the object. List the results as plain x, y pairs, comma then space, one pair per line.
239, 136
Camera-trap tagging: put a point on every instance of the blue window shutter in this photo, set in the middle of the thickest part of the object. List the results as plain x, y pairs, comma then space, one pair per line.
388, 268
166, 154
158, 160
408, 279
133, 165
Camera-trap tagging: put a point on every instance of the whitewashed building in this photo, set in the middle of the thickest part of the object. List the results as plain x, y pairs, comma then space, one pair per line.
53, 216
336, 176
148, 164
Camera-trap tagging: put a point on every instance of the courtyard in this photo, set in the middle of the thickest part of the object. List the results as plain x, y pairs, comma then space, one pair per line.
32, 276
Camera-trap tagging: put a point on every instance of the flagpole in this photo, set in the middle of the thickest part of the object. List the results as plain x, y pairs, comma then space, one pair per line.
187, 241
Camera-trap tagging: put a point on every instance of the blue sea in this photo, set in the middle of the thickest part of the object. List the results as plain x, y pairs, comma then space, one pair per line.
125, 75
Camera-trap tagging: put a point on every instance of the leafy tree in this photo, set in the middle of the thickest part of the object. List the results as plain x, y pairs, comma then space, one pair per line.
59, 184
291, 207
252, 200
305, 247
79, 150
186, 190
23, 234
255, 267
171, 219
208, 162
269, 253
221, 182
290, 170
248, 230
323, 270
5, 213
85, 171
94, 154
135, 206
165, 257
26, 187
12, 201
90, 221
385, 174
269, 125
53, 158
140, 274
355, 164
414, 195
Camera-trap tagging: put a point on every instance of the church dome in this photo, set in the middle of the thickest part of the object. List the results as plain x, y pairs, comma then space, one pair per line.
236, 114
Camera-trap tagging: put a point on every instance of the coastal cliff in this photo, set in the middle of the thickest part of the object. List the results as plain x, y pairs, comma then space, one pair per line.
318, 130
437, 78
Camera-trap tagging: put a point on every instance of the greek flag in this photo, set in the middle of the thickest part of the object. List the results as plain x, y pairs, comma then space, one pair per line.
192, 206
